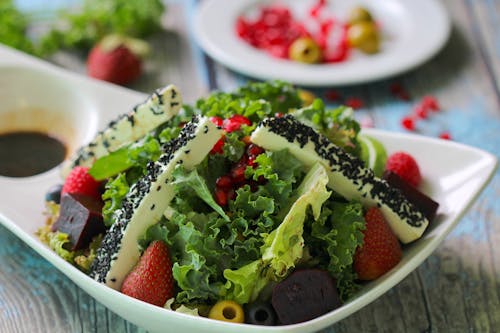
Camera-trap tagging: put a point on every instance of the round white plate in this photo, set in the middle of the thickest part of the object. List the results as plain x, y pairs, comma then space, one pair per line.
414, 31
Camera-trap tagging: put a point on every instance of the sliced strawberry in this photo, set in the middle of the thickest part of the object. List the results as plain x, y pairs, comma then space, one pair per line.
380, 251
151, 280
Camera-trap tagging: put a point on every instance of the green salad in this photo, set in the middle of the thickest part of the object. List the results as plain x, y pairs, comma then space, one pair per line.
239, 211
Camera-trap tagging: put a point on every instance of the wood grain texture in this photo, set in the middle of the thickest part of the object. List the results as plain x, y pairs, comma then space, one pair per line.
457, 289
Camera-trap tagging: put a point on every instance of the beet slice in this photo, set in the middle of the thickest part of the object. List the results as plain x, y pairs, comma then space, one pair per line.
421, 201
304, 295
81, 218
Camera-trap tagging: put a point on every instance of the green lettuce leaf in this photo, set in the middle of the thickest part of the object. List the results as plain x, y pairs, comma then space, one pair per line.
115, 191
337, 124
190, 180
333, 239
283, 247
243, 285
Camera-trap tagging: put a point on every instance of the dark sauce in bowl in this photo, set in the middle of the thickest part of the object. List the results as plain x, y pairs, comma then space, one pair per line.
28, 153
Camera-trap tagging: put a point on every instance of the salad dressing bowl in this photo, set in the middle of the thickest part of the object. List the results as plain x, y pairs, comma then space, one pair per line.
454, 176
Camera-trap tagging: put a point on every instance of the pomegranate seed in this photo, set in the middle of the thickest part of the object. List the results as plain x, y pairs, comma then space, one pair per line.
238, 173
234, 123
231, 194
408, 123
254, 150
399, 91
251, 162
220, 196
445, 136
354, 102
431, 103
332, 95
217, 148
278, 115
421, 112
224, 182
218, 121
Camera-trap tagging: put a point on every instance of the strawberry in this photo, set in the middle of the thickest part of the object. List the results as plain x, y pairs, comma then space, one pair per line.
151, 279
79, 181
405, 166
380, 251
116, 59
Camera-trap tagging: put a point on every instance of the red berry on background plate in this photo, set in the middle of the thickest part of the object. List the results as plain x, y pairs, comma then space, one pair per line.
380, 251
151, 279
405, 166
79, 181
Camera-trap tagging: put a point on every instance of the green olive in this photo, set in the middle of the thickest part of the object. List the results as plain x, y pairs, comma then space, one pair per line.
305, 49
364, 36
306, 97
359, 14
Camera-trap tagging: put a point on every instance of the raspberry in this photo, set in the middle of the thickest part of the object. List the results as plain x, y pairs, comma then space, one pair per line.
405, 166
79, 181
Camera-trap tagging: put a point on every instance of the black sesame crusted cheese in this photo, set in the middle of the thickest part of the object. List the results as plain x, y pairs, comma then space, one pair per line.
132, 202
129, 127
346, 164
110, 245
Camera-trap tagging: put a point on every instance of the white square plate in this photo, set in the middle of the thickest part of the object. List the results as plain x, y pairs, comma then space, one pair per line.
454, 176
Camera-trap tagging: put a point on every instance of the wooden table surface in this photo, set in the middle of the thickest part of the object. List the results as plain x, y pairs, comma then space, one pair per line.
457, 289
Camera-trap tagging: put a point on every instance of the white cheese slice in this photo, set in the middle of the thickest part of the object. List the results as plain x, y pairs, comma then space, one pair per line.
160, 107
148, 199
347, 174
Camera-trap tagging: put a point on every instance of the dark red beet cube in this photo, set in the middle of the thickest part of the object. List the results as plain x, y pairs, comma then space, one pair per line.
305, 295
421, 201
81, 218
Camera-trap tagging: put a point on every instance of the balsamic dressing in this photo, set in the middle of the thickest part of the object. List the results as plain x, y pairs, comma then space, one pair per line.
28, 153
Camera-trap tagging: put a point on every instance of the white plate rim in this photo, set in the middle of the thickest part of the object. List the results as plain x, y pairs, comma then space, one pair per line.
215, 34
152, 317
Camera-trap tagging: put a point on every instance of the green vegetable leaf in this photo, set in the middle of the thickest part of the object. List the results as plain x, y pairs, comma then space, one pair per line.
58, 241
243, 285
337, 124
110, 165
190, 180
284, 246
333, 240
137, 155
115, 191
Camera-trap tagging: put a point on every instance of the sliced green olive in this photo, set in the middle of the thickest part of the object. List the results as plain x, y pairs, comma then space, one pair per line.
364, 36
305, 49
